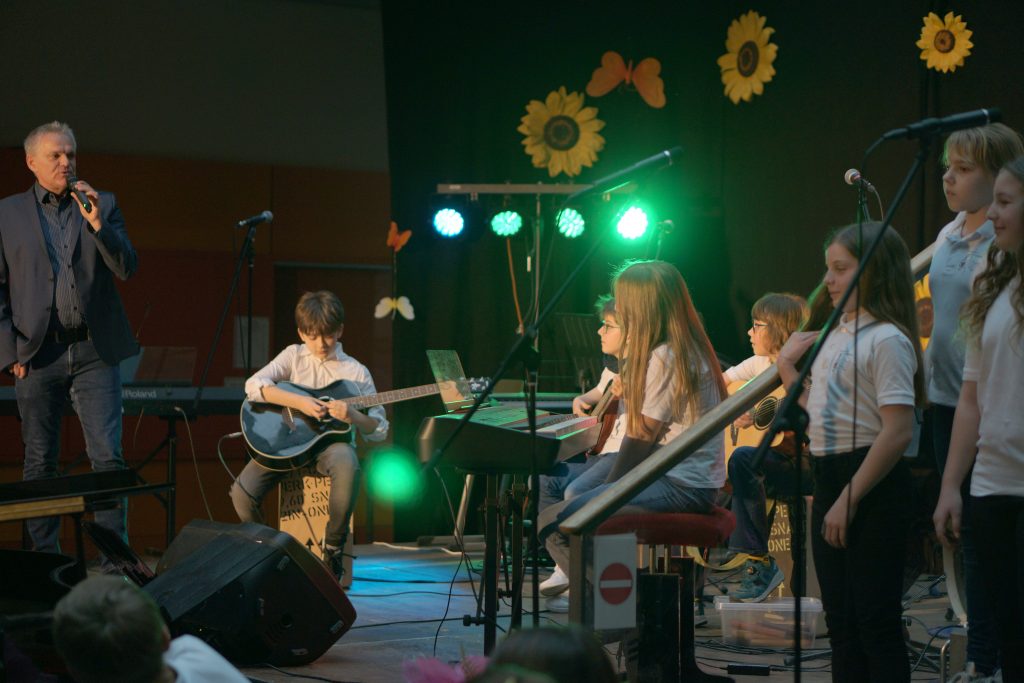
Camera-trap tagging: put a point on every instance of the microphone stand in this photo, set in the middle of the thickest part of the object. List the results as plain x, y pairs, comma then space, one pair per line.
792, 416
246, 253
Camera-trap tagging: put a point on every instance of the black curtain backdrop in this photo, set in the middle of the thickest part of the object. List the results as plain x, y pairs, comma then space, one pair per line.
758, 186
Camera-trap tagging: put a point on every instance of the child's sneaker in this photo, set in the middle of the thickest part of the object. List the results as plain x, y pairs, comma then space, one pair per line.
557, 583
760, 579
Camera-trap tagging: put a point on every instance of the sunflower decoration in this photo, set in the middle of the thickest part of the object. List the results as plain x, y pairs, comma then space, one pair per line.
747, 65
944, 42
561, 134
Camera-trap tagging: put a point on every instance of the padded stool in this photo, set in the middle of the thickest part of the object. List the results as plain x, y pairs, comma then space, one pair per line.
662, 648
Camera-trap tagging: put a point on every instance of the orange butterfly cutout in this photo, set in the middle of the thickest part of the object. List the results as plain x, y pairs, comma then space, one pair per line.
644, 78
397, 240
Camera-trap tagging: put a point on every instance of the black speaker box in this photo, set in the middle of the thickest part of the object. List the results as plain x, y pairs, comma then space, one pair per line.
255, 594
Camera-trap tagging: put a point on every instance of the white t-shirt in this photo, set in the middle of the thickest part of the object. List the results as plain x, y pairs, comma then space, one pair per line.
748, 369
194, 661
997, 365
886, 364
297, 365
705, 468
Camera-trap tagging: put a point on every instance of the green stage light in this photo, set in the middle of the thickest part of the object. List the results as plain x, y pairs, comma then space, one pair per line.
632, 223
448, 222
393, 474
571, 223
506, 223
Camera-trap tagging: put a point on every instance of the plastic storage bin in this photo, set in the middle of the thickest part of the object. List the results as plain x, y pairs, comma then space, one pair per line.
768, 624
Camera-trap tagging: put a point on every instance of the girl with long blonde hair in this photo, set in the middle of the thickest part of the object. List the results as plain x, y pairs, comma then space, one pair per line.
670, 378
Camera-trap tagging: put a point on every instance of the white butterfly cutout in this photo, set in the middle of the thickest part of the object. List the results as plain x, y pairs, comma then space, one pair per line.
390, 304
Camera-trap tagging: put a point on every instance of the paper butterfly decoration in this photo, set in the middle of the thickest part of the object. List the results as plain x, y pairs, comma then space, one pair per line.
397, 240
390, 304
614, 71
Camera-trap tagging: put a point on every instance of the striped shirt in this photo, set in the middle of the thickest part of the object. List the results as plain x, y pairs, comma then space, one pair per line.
57, 217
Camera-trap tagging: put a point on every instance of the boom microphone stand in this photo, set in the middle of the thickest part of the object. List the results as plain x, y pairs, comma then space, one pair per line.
245, 255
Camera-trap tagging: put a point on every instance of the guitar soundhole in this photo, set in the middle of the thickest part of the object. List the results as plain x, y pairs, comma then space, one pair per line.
764, 413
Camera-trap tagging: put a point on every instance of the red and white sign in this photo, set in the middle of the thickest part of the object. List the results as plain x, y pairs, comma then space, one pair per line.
615, 581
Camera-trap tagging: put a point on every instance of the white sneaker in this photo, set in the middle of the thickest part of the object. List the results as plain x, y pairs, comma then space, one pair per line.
557, 583
559, 604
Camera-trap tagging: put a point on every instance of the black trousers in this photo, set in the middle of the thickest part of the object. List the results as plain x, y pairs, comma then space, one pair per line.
862, 584
997, 523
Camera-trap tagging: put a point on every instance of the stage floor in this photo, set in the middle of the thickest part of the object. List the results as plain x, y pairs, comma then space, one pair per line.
401, 595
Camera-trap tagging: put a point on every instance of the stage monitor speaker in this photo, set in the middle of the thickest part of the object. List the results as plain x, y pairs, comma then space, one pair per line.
253, 593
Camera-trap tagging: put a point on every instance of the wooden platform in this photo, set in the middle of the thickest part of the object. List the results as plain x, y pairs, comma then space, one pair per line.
401, 594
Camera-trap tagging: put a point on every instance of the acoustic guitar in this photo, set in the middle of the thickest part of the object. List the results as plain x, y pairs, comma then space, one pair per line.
282, 439
763, 413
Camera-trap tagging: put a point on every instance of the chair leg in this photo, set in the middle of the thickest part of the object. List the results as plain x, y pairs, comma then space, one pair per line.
663, 649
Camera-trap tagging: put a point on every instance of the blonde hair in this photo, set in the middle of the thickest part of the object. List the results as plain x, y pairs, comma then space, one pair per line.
319, 313
886, 288
655, 308
1000, 269
782, 313
991, 147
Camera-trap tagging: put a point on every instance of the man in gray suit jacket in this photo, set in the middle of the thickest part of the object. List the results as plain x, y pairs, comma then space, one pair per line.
63, 329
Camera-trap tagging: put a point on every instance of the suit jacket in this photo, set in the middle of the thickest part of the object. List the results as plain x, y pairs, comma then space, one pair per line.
27, 281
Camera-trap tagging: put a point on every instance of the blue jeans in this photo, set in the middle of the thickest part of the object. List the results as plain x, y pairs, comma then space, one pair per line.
554, 484
982, 646
338, 462
56, 372
664, 495
777, 473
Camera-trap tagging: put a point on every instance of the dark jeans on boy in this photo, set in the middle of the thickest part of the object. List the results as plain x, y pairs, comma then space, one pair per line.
862, 584
750, 486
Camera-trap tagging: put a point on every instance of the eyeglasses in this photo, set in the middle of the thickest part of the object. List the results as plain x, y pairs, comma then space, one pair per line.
609, 326
756, 324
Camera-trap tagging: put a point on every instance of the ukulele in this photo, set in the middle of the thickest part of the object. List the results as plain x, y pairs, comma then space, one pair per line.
606, 411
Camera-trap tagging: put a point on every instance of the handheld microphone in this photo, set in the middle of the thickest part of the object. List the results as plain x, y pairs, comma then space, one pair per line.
948, 124
79, 195
265, 217
620, 178
853, 177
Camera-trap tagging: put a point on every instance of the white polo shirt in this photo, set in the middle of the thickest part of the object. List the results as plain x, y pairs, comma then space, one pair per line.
841, 421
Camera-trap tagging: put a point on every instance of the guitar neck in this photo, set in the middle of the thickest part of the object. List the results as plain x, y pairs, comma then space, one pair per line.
386, 397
